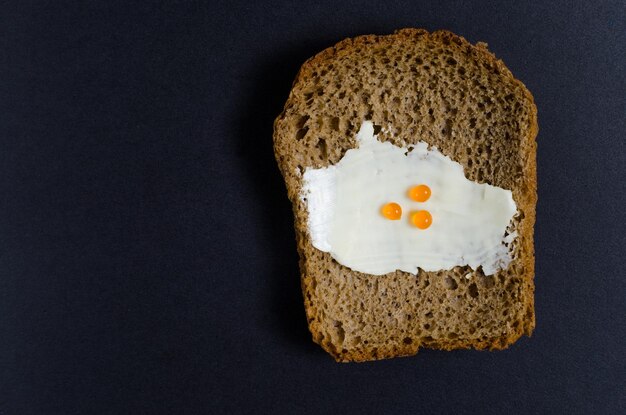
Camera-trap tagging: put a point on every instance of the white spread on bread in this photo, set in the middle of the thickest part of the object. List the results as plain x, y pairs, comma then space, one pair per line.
469, 219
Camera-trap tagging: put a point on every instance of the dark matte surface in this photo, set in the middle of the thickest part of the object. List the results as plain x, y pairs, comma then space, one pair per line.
147, 260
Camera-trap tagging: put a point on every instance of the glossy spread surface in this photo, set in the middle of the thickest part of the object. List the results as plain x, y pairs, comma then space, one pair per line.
349, 211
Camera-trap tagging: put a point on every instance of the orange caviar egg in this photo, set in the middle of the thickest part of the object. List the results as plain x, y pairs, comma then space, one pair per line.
419, 193
422, 219
392, 211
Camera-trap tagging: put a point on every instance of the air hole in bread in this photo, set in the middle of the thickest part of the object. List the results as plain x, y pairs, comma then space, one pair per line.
472, 290
301, 133
446, 131
450, 283
323, 148
301, 121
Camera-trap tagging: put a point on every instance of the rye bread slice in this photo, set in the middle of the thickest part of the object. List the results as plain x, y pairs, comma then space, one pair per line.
413, 85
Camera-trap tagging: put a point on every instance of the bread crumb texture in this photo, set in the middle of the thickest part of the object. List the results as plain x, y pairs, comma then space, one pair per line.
413, 85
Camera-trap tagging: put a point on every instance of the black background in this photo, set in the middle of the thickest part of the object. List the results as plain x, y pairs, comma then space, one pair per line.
147, 253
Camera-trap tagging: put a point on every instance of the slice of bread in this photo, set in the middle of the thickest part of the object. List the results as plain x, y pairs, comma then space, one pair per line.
413, 85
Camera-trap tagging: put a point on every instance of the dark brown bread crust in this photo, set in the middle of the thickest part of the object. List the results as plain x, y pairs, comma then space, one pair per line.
457, 97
